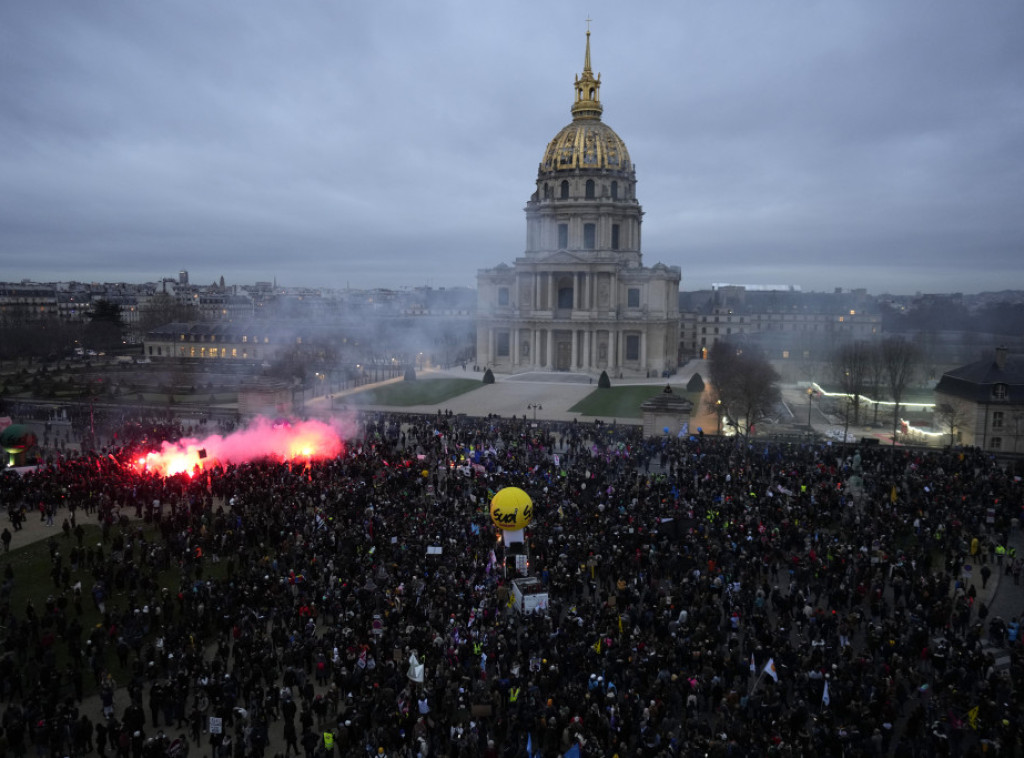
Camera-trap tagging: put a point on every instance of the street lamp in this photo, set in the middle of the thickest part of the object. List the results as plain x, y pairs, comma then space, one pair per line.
810, 397
535, 407
718, 413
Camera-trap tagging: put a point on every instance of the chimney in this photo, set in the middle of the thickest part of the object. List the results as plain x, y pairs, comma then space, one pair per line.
1001, 358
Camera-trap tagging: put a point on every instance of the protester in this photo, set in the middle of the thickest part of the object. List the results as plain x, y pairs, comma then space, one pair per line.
708, 596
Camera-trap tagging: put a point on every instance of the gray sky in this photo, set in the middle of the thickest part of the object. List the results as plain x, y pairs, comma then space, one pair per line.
876, 143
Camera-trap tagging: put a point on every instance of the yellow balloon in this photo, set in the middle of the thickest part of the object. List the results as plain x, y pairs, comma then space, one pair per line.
511, 509
424, 473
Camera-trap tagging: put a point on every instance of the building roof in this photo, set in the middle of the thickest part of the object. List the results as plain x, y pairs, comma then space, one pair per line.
586, 143
976, 381
667, 401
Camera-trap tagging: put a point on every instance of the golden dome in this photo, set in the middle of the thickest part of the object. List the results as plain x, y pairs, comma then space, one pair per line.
586, 143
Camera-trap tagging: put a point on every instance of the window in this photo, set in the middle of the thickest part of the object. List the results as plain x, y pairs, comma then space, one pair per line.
633, 297
996, 443
564, 190
615, 190
632, 347
563, 236
565, 297
997, 419
502, 296
503, 344
589, 234
615, 236
590, 189
999, 392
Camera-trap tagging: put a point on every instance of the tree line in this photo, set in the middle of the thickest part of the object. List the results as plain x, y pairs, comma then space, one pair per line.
745, 385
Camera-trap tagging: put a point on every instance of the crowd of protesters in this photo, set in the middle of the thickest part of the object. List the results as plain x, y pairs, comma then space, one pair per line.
707, 595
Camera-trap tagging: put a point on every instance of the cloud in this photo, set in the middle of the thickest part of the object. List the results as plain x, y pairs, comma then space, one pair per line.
395, 143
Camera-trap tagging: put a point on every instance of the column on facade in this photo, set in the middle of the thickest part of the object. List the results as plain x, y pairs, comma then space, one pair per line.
490, 347
574, 352
550, 348
643, 349
514, 336
588, 338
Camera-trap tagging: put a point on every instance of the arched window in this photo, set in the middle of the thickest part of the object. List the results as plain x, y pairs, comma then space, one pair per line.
615, 190
590, 189
565, 190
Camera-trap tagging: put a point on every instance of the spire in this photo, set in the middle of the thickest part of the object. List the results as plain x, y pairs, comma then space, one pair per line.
586, 58
588, 89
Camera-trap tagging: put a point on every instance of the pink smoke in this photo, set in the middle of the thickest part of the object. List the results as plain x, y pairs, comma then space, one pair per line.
263, 439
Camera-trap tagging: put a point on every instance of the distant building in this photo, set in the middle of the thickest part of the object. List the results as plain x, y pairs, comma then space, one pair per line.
580, 299
785, 322
27, 302
985, 402
248, 341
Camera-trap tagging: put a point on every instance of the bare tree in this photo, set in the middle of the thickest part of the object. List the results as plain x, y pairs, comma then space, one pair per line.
164, 309
876, 377
746, 384
850, 367
953, 414
900, 359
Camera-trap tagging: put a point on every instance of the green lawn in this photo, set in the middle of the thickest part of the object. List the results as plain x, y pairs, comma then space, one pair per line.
34, 583
419, 392
625, 401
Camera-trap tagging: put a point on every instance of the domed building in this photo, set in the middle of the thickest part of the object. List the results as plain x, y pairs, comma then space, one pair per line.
580, 299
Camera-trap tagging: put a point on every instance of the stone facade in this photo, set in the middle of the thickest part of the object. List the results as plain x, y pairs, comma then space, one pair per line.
985, 402
579, 298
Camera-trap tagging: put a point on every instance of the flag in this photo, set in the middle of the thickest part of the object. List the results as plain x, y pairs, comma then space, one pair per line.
893, 497
753, 668
824, 694
573, 752
597, 646
769, 669
529, 745
415, 672
972, 717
